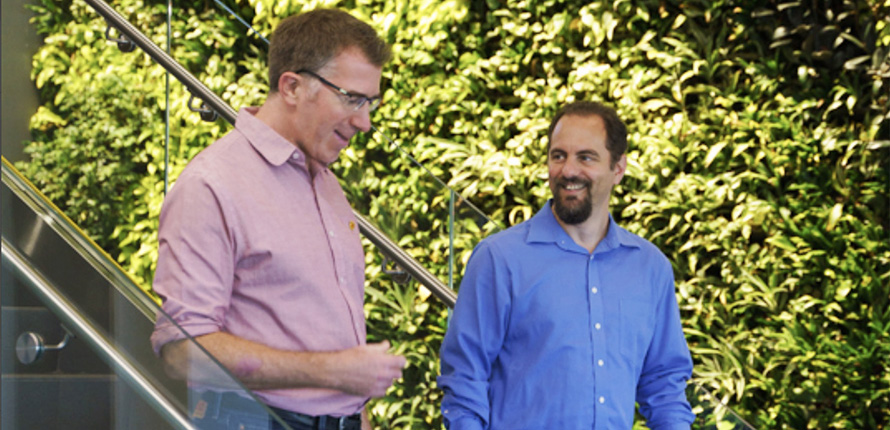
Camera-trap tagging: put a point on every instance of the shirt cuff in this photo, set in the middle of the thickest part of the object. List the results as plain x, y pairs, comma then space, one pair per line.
464, 422
166, 332
675, 426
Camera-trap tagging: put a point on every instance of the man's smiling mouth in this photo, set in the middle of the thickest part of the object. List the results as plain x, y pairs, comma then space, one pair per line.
341, 136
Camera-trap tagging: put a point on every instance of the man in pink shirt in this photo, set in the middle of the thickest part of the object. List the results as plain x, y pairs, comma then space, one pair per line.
260, 258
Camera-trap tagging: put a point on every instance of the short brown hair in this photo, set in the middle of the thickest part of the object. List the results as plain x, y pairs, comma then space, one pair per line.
309, 40
616, 131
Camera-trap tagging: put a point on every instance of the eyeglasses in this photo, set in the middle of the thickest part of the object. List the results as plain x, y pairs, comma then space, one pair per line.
353, 100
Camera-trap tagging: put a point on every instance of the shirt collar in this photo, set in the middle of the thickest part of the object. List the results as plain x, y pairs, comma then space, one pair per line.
617, 236
266, 141
544, 228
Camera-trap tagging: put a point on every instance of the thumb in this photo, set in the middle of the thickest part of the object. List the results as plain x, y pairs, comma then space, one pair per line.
382, 346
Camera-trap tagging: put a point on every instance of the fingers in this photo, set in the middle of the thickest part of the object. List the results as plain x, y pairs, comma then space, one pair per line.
401, 362
382, 346
379, 367
396, 361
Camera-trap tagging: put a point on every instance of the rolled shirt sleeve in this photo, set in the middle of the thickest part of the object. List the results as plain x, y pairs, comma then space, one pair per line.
194, 278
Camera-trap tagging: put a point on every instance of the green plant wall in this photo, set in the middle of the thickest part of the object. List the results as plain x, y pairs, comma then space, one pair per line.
758, 162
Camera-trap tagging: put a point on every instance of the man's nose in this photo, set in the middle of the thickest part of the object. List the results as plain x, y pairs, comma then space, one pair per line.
570, 168
361, 119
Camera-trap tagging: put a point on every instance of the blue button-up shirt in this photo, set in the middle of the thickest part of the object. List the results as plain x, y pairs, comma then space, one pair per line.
546, 334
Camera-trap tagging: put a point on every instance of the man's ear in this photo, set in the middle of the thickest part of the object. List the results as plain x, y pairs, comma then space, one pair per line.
289, 86
620, 168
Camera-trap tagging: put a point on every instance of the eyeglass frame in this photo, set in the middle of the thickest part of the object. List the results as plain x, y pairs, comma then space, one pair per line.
354, 100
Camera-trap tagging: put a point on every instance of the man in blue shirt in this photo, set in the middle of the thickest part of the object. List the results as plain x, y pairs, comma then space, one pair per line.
566, 320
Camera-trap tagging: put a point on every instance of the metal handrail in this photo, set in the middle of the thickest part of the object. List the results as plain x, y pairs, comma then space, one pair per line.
198, 89
84, 330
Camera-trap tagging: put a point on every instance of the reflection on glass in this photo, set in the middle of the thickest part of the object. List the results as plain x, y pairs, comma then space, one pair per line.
711, 413
55, 281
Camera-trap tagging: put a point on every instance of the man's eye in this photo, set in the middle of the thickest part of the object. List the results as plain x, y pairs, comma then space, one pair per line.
355, 100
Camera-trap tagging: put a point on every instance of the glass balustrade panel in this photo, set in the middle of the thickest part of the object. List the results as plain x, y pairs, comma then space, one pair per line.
76, 332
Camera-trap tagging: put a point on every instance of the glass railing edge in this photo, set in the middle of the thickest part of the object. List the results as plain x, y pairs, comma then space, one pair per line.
720, 412
78, 239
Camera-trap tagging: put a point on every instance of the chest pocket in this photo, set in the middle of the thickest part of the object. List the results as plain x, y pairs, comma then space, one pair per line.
637, 326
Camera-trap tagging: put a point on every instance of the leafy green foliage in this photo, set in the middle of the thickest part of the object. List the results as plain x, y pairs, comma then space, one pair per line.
760, 146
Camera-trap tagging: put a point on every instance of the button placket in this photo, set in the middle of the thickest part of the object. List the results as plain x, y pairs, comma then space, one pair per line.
600, 346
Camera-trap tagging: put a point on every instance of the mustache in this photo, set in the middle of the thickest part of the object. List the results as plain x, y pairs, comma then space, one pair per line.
574, 180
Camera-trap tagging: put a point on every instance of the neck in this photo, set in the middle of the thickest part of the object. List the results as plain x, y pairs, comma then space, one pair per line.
278, 115
588, 233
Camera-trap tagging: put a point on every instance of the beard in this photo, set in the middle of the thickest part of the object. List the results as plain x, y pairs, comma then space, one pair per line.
573, 210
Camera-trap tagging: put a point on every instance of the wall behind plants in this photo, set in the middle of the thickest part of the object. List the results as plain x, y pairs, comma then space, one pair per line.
760, 146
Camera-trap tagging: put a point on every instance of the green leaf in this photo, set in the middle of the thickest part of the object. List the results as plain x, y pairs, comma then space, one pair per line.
713, 152
834, 216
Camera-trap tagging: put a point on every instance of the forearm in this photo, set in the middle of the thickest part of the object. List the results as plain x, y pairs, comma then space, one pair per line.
257, 366
366, 370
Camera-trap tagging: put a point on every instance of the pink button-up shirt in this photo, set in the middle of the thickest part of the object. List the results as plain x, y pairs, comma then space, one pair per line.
251, 244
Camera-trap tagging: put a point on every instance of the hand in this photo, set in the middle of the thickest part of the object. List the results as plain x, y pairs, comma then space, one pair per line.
366, 419
367, 370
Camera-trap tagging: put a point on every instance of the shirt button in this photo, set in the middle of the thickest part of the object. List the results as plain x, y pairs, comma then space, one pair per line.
602, 399
594, 290
331, 233
597, 325
600, 362
295, 156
